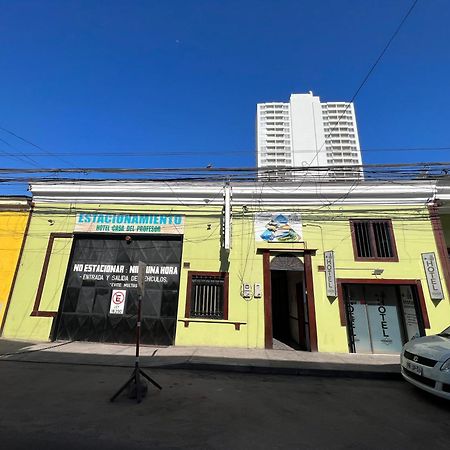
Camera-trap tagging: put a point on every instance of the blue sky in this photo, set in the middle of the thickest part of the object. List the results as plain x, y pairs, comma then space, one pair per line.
82, 78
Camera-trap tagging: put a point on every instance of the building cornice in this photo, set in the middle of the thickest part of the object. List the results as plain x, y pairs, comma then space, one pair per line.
208, 193
15, 203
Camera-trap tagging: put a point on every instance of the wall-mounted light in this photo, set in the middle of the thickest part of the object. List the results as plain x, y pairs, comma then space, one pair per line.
377, 272
51, 222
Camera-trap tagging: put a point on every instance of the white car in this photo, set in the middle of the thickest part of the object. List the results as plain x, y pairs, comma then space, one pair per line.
425, 362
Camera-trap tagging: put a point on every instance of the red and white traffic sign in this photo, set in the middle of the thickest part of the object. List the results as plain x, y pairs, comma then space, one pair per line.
118, 301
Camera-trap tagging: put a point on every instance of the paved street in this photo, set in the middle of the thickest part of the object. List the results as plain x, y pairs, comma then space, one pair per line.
49, 406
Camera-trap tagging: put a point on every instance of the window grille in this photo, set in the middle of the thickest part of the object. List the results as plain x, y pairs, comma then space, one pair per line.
373, 239
208, 295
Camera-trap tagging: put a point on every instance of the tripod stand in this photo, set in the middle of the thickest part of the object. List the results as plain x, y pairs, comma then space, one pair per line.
137, 372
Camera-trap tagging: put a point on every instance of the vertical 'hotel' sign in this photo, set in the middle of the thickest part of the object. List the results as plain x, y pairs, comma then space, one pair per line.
432, 274
330, 276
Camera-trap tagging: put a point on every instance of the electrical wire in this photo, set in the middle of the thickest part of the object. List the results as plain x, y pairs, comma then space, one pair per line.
369, 73
34, 145
189, 153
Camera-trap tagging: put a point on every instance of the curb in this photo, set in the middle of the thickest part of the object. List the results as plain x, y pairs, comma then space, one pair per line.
298, 371
239, 368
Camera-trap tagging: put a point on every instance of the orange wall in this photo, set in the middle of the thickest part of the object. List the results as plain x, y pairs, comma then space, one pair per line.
12, 230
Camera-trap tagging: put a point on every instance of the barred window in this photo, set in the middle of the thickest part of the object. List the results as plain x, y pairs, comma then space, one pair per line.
373, 240
207, 295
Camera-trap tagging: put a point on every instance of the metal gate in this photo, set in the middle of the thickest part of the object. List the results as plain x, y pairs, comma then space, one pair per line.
100, 267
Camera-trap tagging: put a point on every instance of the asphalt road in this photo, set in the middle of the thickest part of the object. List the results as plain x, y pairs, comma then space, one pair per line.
48, 406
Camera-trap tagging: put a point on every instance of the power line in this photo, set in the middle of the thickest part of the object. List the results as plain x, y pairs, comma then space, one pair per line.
34, 145
415, 165
20, 157
188, 153
295, 177
372, 68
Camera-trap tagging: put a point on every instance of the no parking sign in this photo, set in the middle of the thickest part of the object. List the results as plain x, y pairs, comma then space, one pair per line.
118, 301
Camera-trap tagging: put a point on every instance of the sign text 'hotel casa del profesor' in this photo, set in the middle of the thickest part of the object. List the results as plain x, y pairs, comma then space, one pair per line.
129, 223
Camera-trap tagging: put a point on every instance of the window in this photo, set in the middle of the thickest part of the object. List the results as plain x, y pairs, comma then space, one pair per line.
373, 240
207, 295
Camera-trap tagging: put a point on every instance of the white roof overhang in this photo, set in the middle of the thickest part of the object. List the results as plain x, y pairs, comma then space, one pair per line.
257, 193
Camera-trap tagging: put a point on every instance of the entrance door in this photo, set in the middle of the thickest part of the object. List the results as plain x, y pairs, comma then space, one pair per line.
280, 308
376, 319
100, 267
288, 309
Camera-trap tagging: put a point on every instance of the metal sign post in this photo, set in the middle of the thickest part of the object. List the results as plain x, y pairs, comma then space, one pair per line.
135, 382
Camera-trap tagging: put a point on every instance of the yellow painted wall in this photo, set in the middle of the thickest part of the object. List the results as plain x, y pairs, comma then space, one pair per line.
19, 323
413, 235
12, 228
324, 228
445, 220
201, 248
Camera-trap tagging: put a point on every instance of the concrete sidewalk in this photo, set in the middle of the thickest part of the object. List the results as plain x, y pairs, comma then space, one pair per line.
289, 362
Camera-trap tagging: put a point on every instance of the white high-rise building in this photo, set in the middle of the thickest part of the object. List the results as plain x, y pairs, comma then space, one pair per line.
306, 133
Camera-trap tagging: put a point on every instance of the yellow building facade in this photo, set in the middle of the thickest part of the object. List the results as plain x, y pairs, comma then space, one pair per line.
14, 215
349, 270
